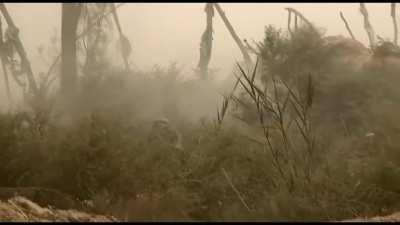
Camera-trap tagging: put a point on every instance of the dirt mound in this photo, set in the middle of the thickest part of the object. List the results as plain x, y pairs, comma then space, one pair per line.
21, 209
395, 217
44, 197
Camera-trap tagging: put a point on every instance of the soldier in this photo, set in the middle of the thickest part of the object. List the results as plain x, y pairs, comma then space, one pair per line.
163, 132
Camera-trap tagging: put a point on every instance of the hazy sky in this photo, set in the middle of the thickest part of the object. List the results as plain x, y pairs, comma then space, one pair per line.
166, 32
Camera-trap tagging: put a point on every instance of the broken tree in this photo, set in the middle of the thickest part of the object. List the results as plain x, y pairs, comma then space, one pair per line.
206, 42
13, 32
85, 32
347, 26
228, 25
4, 64
125, 44
70, 18
393, 15
303, 18
367, 25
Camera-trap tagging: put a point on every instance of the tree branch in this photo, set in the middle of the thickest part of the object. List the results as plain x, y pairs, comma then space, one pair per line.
82, 34
206, 41
115, 16
228, 25
303, 18
25, 64
367, 25
289, 22
393, 14
3, 63
347, 26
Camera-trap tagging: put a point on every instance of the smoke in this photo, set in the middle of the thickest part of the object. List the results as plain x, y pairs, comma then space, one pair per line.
163, 33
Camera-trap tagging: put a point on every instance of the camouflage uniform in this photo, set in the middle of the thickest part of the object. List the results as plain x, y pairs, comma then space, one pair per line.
163, 132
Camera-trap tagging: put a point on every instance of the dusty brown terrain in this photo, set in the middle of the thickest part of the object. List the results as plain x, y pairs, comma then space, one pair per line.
21, 209
41, 196
395, 217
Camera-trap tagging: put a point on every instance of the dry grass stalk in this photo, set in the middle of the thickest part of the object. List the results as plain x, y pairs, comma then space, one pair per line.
235, 189
271, 102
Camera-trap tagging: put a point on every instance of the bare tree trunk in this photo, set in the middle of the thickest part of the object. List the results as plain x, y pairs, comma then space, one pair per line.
206, 42
3, 64
289, 22
69, 24
123, 39
393, 14
93, 41
347, 26
228, 25
367, 25
25, 64
81, 35
303, 18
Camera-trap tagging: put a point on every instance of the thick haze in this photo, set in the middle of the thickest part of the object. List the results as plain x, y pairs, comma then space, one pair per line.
161, 33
